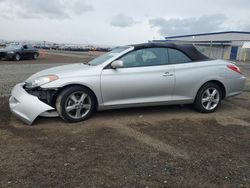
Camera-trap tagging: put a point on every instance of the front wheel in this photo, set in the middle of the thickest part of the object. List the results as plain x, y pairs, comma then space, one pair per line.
75, 104
35, 56
208, 98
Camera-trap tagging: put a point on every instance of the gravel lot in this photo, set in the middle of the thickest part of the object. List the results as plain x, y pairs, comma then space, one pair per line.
171, 146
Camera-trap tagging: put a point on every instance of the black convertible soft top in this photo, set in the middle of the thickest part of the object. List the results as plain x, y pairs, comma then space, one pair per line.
187, 49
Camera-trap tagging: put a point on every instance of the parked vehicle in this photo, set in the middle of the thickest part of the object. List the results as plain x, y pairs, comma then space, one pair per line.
130, 76
17, 52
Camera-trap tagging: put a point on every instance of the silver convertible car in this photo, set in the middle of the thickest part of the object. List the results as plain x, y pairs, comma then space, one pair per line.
131, 76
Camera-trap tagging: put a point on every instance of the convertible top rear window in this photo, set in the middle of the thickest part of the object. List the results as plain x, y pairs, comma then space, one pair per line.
176, 56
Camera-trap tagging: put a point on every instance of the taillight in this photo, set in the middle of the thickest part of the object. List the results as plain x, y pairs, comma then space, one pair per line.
234, 68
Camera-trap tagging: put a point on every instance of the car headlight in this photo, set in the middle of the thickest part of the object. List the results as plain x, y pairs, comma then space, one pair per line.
36, 82
10, 52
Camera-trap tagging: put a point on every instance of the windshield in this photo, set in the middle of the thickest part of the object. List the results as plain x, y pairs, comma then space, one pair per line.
14, 46
107, 56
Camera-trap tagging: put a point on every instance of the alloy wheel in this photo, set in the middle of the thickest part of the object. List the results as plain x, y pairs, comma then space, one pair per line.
17, 57
77, 105
210, 98
35, 56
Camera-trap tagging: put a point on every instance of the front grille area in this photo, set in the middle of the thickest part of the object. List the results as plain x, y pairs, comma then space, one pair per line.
44, 95
2, 54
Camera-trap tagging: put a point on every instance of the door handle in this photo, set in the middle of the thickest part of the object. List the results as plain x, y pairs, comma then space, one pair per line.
167, 74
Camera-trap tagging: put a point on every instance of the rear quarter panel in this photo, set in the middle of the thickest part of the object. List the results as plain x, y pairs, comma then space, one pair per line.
233, 81
189, 77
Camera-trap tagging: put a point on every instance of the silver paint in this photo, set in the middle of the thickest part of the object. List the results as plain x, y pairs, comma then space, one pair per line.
130, 87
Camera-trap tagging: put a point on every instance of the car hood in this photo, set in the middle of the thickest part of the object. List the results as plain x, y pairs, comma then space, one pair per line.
63, 71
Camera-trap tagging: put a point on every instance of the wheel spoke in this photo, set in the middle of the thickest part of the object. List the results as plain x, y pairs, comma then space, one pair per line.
78, 113
214, 93
70, 108
73, 98
207, 92
86, 106
208, 105
83, 97
205, 100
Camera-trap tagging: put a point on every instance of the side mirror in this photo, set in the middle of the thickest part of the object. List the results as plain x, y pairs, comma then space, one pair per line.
117, 64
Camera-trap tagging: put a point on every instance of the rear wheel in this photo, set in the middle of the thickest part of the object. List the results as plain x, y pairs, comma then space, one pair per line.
17, 57
208, 98
75, 104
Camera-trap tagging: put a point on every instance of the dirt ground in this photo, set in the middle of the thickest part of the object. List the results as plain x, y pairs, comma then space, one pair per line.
169, 146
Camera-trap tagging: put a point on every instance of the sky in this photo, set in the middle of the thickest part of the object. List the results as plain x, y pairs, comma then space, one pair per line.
116, 22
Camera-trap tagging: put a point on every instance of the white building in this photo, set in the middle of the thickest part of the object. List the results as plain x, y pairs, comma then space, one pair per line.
234, 45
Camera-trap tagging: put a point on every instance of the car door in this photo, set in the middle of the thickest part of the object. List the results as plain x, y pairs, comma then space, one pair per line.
187, 75
146, 77
25, 52
30, 52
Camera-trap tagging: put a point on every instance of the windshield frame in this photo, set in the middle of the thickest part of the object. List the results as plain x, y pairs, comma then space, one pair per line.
111, 59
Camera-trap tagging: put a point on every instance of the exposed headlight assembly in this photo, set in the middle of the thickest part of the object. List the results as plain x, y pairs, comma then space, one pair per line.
36, 82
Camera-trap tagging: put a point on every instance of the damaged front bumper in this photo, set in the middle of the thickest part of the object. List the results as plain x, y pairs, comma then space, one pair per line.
26, 106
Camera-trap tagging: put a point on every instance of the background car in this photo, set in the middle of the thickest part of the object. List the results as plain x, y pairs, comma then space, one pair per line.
18, 52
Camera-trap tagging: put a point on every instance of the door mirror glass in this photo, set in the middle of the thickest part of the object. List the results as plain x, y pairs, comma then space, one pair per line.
117, 64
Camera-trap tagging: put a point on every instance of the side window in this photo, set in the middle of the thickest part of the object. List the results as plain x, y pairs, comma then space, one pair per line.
176, 57
129, 60
146, 57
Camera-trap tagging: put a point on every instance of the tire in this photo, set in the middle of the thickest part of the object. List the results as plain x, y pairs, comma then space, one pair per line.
17, 57
208, 98
75, 104
35, 56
